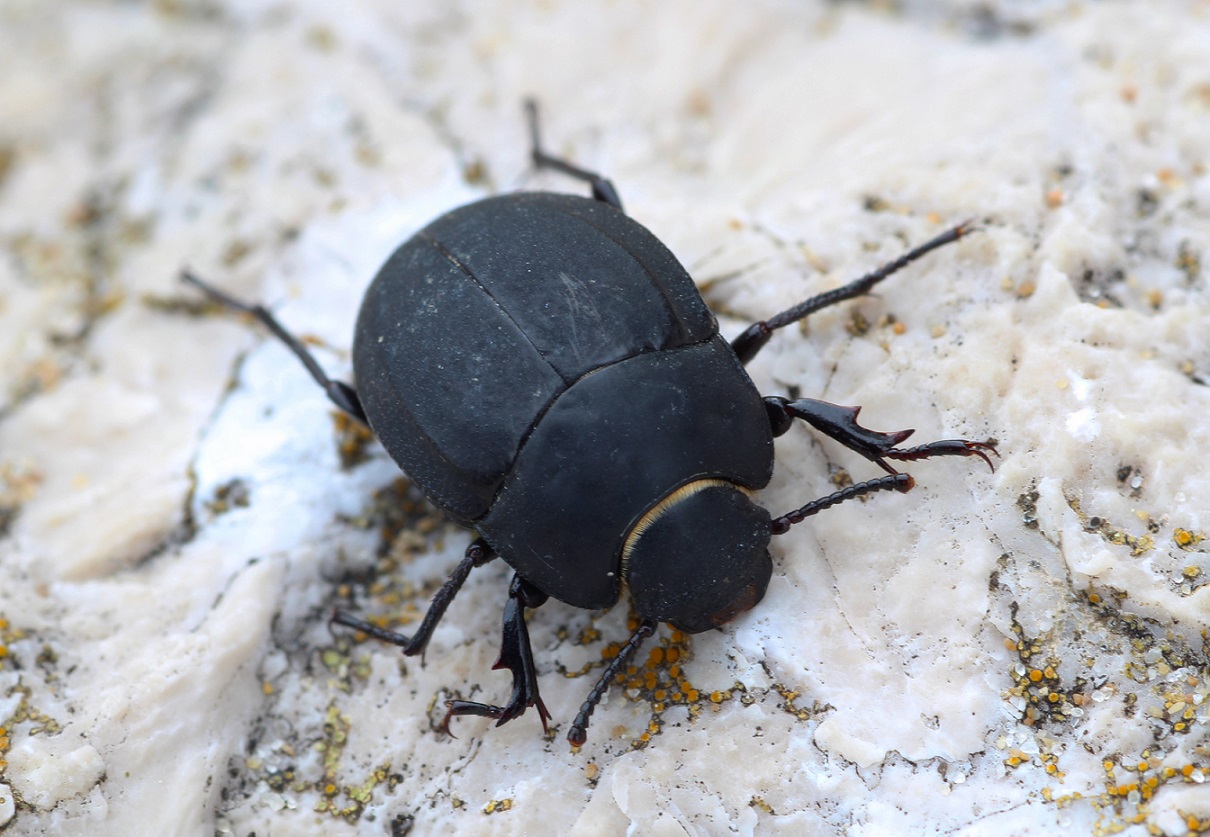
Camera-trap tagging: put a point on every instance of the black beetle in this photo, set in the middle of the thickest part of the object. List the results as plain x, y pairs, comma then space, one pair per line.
543, 368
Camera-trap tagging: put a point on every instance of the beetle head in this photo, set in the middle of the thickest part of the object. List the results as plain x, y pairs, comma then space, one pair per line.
699, 557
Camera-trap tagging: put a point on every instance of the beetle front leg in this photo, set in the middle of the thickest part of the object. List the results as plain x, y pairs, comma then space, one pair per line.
516, 655
841, 424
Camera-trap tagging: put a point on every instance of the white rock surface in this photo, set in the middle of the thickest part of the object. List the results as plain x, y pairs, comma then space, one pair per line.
167, 666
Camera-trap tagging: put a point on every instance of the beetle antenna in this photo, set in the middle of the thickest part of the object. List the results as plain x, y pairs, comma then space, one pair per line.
899, 482
578, 733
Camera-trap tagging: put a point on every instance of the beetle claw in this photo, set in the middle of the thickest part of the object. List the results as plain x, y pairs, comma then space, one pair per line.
947, 447
502, 714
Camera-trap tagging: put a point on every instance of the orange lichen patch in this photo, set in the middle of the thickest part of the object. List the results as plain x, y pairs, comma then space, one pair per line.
1016, 758
1039, 692
497, 806
1186, 539
1119, 795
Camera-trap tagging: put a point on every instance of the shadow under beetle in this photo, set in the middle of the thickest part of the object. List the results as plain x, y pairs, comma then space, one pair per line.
543, 368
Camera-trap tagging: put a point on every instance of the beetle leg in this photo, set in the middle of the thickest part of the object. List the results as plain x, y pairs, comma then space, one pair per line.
754, 338
339, 393
515, 655
578, 733
477, 554
602, 187
841, 424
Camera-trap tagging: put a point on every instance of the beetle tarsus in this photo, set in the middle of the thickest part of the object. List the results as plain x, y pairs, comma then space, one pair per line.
578, 733
603, 189
502, 714
754, 338
339, 393
477, 554
948, 447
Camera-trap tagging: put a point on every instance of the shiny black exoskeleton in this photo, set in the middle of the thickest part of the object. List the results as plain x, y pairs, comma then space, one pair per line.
545, 370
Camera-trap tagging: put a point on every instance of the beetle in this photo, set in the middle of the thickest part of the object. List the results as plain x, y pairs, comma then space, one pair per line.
548, 374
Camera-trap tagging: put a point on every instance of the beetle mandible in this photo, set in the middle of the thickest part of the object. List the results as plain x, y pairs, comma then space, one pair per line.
545, 370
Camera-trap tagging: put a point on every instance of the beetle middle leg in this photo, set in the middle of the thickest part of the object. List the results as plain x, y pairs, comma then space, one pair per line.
602, 187
754, 338
516, 655
339, 393
477, 554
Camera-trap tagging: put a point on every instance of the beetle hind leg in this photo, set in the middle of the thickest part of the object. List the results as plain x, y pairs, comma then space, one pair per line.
517, 655
338, 392
602, 187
